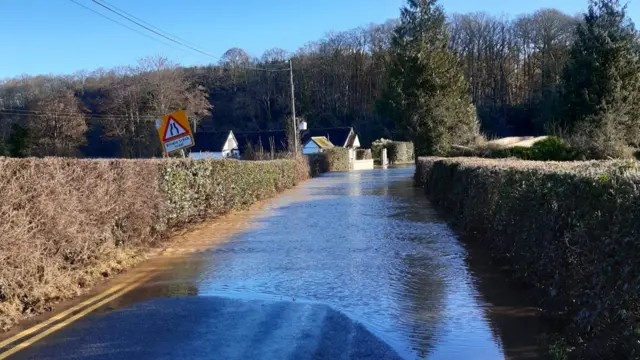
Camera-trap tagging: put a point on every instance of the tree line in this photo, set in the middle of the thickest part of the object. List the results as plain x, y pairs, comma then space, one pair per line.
545, 73
510, 72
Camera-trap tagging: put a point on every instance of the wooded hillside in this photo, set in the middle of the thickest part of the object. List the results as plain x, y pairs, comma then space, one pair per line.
513, 66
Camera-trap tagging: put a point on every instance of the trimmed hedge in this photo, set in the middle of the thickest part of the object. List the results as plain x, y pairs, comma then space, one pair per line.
570, 230
400, 151
66, 223
397, 151
337, 159
317, 164
363, 154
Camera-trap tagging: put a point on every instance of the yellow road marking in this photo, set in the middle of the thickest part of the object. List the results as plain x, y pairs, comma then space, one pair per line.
131, 285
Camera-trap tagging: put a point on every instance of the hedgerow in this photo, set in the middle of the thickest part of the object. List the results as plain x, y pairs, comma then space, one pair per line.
400, 151
570, 230
66, 223
337, 159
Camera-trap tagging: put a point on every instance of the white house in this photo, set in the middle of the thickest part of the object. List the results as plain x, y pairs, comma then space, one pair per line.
339, 136
215, 145
316, 144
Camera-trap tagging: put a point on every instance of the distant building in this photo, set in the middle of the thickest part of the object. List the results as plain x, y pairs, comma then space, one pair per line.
276, 140
265, 141
215, 145
339, 136
316, 144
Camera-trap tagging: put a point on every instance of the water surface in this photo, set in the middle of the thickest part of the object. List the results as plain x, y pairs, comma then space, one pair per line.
369, 244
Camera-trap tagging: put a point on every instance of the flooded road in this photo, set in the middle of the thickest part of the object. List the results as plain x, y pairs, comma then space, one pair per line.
365, 245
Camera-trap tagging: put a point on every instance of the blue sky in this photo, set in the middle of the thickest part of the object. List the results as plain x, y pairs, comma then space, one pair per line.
60, 37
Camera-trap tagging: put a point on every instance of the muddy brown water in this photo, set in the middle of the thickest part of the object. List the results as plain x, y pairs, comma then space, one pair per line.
367, 244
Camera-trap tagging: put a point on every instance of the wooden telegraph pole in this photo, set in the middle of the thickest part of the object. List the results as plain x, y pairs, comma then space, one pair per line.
293, 109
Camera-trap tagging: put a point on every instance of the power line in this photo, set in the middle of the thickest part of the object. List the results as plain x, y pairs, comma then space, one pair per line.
97, 116
151, 30
33, 112
150, 25
141, 23
119, 23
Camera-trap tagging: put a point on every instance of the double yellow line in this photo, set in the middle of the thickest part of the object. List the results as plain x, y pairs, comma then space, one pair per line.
107, 296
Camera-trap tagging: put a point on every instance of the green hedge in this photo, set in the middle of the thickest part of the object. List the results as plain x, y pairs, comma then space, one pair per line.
570, 230
337, 159
400, 151
317, 164
203, 189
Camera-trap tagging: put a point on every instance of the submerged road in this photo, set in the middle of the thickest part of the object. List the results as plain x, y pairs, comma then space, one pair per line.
347, 266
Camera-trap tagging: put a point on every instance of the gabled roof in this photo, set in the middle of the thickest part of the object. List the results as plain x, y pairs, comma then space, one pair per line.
322, 142
263, 139
352, 139
339, 136
210, 141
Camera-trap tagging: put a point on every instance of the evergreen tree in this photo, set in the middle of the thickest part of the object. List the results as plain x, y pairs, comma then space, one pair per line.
18, 142
428, 94
602, 80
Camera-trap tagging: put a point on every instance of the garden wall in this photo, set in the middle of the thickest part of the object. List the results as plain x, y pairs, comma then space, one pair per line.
67, 223
569, 230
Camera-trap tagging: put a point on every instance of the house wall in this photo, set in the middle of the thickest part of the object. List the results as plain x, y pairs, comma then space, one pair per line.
230, 148
310, 148
362, 164
231, 144
356, 142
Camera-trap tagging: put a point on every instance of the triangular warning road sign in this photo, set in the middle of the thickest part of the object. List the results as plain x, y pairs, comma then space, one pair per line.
173, 130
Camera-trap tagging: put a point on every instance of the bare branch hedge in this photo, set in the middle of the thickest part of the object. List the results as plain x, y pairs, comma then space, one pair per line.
67, 223
570, 230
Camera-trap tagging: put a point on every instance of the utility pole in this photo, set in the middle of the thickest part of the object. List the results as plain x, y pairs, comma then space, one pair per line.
293, 109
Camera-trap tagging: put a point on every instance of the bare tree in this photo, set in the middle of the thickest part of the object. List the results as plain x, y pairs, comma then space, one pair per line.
58, 124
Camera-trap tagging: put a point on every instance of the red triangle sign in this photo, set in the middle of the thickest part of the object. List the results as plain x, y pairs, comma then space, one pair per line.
173, 130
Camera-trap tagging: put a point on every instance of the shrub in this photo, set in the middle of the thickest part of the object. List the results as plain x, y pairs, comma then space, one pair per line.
317, 164
337, 159
600, 143
568, 229
550, 149
363, 154
66, 223
377, 146
18, 141
399, 151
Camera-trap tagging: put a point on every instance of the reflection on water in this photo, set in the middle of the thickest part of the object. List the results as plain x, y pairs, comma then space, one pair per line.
369, 245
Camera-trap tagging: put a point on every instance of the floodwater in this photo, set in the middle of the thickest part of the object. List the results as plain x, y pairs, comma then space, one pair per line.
369, 245
365, 244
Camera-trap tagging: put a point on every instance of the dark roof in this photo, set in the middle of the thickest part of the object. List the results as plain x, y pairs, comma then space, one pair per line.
210, 141
338, 135
263, 138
